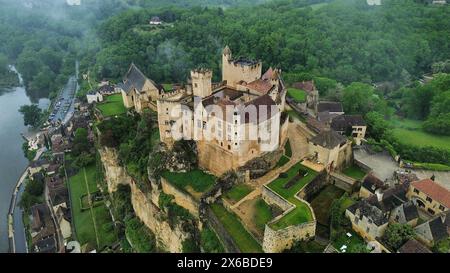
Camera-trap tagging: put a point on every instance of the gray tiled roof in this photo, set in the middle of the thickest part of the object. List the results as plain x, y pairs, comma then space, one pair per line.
328, 139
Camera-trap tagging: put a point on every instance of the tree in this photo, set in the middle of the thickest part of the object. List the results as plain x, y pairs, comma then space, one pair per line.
377, 126
397, 234
438, 121
80, 142
31, 115
360, 98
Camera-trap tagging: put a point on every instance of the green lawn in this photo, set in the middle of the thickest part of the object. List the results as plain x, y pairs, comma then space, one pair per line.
354, 172
301, 213
84, 220
322, 202
351, 242
263, 214
410, 132
283, 160
197, 179
241, 237
167, 86
287, 149
421, 138
297, 94
113, 105
237, 192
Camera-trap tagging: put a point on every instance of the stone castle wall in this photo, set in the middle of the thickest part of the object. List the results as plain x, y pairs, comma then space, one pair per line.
272, 198
114, 173
278, 240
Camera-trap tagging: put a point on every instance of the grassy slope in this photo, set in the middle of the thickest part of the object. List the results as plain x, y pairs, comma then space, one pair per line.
238, 192
354, 172
197, 179
241, 237
297, 94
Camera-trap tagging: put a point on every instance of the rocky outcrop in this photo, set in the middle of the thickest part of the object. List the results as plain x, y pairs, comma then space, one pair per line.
114, 173
168, 238
145, 203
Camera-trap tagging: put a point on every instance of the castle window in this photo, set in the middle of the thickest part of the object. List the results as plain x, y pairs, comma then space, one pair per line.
429, 199
431, 211
441, 207
235, 144
416, 191
195, 85
229, 147
359, 129
221, 144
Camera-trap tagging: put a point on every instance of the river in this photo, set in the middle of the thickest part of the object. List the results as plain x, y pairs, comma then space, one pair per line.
12, 160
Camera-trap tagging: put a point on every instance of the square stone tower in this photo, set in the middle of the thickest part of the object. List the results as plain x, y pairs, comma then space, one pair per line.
201, 82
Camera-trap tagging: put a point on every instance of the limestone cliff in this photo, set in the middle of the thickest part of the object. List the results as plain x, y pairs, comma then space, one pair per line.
145, 205
114, 173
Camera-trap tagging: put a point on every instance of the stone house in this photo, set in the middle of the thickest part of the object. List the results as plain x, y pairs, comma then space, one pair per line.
406, 213
370, 185
138, 91
434, 230
331, 149
312, 94
155, 20
352, 125
429, 196
331, 107
104, 90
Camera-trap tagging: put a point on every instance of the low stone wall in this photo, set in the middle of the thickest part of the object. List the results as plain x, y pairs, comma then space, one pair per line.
363, 166
272, 198
313, 187
343, 182
181, 198
279, 240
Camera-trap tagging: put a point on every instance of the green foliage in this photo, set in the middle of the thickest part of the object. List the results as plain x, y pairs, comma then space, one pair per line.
80, 142
360, 98
438, 121
198, 180
287, 149
189, 245
377, 126
237, 192
397, 234
32, 194
32, 115
140, 237
84, 159
209, 241
122, 202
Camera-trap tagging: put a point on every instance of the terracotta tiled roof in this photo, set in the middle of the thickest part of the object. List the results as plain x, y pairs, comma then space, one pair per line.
268, 74
307, 86
413, 246
433, 190
260, 86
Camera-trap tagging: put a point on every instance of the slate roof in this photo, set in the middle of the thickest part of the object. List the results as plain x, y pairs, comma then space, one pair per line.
329, 106
328, 139
438, 229
413, 246
372, 183
134, 79
47, 245
369, 211
342, 122
433, 190
410, 211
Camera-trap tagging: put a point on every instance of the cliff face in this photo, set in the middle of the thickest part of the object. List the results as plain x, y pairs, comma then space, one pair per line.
114, 173
168, 238
145, 205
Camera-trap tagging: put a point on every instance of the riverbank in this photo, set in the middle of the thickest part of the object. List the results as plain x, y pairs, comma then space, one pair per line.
8, 80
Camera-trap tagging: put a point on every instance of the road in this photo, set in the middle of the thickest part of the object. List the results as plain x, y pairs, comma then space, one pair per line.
64, 106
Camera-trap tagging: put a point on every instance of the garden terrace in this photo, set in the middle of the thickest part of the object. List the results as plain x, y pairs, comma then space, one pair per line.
243, 239
354, 172
237, 192
112, 106
298, 95
193, 182
297, 177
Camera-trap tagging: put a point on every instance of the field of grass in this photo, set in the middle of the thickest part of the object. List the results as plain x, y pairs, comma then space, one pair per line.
263, 214
297, 95
410, 132
322, 202
198, 180
241, 237
112, 106
354, 172
237, 192
301, 213
89, 224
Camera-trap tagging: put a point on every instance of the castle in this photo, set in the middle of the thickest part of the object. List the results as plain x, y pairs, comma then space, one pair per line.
232, 121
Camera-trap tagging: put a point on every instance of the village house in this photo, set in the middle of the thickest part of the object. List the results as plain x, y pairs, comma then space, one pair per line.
429, 196
100, 93
370, 186
138, 91
331, 149
370, 216
434, 230
406, 213
155, 20
42, 229
312, 94
219, 116
350, 125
